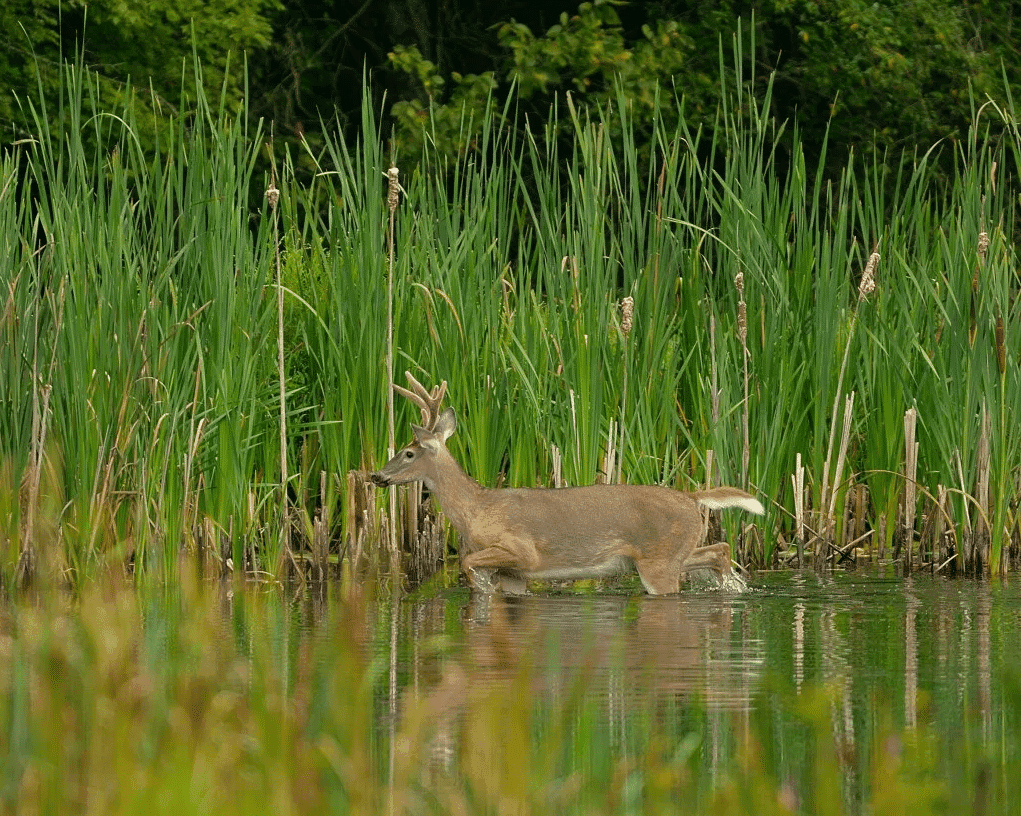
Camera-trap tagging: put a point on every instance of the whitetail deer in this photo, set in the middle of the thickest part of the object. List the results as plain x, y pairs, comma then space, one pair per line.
517, 534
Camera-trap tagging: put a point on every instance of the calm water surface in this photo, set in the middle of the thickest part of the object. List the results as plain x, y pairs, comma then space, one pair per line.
849, 654
922, 639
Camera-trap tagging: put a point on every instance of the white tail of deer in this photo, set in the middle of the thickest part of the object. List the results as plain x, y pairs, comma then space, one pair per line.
510, 535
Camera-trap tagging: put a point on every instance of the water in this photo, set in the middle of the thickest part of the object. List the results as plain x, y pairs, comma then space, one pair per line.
844, 668
843, 693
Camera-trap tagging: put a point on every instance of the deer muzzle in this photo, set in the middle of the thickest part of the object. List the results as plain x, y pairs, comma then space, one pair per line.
379, 479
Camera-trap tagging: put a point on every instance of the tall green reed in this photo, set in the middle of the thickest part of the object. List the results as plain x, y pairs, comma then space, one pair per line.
140, 316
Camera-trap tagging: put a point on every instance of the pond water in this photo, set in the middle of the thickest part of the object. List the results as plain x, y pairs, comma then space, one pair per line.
849, 692
847, 672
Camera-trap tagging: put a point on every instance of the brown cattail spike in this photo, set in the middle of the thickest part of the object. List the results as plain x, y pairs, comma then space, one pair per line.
868, 278
627, 310
1001, 347
742, 311
394, 193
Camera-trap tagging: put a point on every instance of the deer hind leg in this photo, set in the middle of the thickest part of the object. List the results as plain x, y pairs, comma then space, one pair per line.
659, 577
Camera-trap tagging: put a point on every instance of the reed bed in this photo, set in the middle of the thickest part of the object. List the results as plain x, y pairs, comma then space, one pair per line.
161, 403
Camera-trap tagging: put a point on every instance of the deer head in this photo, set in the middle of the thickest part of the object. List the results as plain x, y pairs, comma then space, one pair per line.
418, 461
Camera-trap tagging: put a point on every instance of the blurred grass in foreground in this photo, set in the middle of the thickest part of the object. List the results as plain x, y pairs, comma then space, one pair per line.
213, 699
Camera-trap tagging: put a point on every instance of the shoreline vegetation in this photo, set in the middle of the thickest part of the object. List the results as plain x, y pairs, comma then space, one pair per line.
186, 376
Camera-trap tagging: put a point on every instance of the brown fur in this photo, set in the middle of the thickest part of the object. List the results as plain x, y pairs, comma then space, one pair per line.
517, 534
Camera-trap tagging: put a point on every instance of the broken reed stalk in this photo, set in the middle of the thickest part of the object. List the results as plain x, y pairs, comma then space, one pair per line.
798, 480
827, 494
910, 475
392, 200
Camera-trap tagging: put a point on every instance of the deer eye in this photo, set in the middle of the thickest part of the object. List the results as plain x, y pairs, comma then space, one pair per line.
409, 454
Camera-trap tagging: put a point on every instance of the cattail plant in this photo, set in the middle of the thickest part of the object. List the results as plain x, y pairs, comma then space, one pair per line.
627, 310
742, 333
273, 197
828, 493
392, 200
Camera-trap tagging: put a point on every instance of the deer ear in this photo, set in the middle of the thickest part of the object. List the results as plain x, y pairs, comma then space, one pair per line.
445, 425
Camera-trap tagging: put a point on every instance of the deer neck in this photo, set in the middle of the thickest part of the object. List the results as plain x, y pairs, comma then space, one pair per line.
457, 493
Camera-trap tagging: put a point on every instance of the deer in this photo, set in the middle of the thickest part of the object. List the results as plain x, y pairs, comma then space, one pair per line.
511, 535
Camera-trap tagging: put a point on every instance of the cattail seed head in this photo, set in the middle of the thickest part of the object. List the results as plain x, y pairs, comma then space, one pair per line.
983, 245
868, 277
742, 310
393, 195
627, 310
272, 195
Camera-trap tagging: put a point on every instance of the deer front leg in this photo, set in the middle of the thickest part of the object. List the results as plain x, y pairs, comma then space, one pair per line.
717, 558
483, 568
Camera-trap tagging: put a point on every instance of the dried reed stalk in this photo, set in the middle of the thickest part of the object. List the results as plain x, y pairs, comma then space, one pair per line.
27, 566
742, 333
321, 533
982, 466
627, 310
910, 476
557, 459
798, 480
829, 522
606, 473
944, 535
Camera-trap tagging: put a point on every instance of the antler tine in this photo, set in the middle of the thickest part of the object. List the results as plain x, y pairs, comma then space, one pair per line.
427, 401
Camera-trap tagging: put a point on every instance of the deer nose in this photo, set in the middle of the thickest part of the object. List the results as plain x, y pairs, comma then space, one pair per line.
378, 479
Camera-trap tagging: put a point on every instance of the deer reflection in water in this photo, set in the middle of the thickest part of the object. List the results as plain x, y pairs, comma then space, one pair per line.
620, 654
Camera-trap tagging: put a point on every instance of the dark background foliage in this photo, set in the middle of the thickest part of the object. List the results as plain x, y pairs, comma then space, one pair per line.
875, 75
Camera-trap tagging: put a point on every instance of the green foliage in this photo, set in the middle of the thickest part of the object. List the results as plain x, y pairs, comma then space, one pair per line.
452, 120
587, 53
903, 74
141, 54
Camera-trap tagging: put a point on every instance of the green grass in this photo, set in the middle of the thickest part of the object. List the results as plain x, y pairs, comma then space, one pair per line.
140, 408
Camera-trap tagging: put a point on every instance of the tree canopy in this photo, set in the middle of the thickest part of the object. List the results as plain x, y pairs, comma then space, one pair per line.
873, 75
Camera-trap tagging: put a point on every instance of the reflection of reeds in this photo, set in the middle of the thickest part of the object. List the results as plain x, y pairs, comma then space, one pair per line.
233, 700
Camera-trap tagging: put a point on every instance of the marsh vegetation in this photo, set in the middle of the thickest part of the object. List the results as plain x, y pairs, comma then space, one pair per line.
194, 387
184, 373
